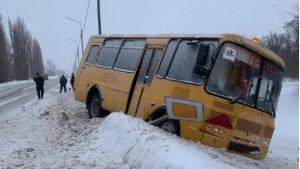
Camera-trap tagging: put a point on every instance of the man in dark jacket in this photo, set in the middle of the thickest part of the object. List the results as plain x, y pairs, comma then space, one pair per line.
72, 80
39, 81
63, 81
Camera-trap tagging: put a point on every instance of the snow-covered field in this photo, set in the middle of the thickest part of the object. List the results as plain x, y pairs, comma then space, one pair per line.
56, 133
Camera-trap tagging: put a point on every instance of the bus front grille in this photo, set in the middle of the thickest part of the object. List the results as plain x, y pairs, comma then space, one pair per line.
244, 125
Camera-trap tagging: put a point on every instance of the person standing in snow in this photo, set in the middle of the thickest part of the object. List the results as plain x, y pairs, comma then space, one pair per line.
72, 80
39, 82
63, 81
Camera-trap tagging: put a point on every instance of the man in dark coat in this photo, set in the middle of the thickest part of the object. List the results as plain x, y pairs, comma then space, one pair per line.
63, 81
72, 80
39, 81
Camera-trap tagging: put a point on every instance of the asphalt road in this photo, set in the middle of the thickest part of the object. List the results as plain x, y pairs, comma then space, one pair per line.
17, 95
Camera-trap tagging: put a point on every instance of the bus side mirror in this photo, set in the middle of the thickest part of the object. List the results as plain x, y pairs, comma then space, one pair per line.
202, 54
201, 71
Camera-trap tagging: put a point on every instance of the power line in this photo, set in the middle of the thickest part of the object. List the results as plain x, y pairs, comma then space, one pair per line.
87, 12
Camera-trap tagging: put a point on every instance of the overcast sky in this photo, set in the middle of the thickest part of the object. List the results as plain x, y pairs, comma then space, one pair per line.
46, 21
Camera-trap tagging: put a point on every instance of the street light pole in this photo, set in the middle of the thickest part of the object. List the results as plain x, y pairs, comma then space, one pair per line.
99, 18
81, 36
81, 40
77, 48
76, 55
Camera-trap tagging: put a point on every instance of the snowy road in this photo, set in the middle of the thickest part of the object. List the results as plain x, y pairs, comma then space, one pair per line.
19, 94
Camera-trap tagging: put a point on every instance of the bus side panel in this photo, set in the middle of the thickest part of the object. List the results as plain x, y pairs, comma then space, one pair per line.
100, 76
115, 86
82, 77
124, 81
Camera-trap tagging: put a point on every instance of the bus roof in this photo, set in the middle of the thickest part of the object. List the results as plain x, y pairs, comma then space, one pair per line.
222, 37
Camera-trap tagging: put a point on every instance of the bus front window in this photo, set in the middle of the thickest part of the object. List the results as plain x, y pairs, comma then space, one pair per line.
235, 74
270, 87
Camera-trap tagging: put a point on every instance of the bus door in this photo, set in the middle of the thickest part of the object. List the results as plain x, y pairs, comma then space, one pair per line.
149, 65
85, 72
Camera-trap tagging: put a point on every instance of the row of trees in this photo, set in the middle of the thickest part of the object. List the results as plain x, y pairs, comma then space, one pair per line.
5, 55
286, 45
51, 68
21, 58
27, 56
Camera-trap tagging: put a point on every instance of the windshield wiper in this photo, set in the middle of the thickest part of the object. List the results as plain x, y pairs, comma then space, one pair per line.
242, 95
237, 98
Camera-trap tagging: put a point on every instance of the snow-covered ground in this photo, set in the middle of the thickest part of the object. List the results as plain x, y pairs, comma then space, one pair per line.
56, 133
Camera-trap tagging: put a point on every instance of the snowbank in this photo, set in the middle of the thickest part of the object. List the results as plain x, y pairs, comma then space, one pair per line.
132, 143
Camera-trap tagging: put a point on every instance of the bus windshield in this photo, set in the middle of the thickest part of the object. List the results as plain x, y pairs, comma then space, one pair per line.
241, 75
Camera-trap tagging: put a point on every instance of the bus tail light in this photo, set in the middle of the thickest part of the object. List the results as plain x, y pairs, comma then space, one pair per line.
221, 120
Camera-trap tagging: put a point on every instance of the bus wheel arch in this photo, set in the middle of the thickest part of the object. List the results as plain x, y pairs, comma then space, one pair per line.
171, 126
160, 119
159, 112
95, 89
94, 102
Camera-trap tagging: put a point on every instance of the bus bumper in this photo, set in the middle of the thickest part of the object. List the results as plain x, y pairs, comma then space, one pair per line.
232, 147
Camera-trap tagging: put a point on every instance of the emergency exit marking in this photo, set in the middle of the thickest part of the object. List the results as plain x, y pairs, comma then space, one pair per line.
230, 54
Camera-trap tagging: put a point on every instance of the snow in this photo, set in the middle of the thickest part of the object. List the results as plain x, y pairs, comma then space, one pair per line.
55, 132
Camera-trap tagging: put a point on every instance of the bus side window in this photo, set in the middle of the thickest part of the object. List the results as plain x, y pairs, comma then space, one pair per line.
92, 55
167, 59
130, 55
157, 56
182, 67
109, 53
145, 66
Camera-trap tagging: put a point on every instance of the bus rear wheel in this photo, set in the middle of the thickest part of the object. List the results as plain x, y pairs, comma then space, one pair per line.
95, 109
170, 126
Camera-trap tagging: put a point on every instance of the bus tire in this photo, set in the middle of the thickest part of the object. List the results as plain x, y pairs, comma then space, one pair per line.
94, 107
170, 126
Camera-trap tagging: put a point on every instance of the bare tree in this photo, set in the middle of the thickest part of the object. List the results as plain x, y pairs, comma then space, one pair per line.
37, 59
21, 41
51, 67
292, 31
62, 72
4, 55
286, 45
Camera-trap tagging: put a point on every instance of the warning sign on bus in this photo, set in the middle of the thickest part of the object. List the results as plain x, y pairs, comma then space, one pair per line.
230, 53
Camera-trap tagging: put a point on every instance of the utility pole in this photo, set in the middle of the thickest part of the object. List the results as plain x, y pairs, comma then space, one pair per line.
99, 18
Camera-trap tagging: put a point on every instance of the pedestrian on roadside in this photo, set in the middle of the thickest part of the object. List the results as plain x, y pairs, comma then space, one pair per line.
72, 80
63, 81
39, 82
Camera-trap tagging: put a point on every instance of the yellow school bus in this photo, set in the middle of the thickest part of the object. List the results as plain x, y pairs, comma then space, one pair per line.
220, 90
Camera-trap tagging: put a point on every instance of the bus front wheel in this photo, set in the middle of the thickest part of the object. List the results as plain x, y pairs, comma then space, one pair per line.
95, 109
171, 126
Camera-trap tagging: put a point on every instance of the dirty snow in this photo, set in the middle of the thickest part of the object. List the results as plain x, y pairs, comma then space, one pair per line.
56, 133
